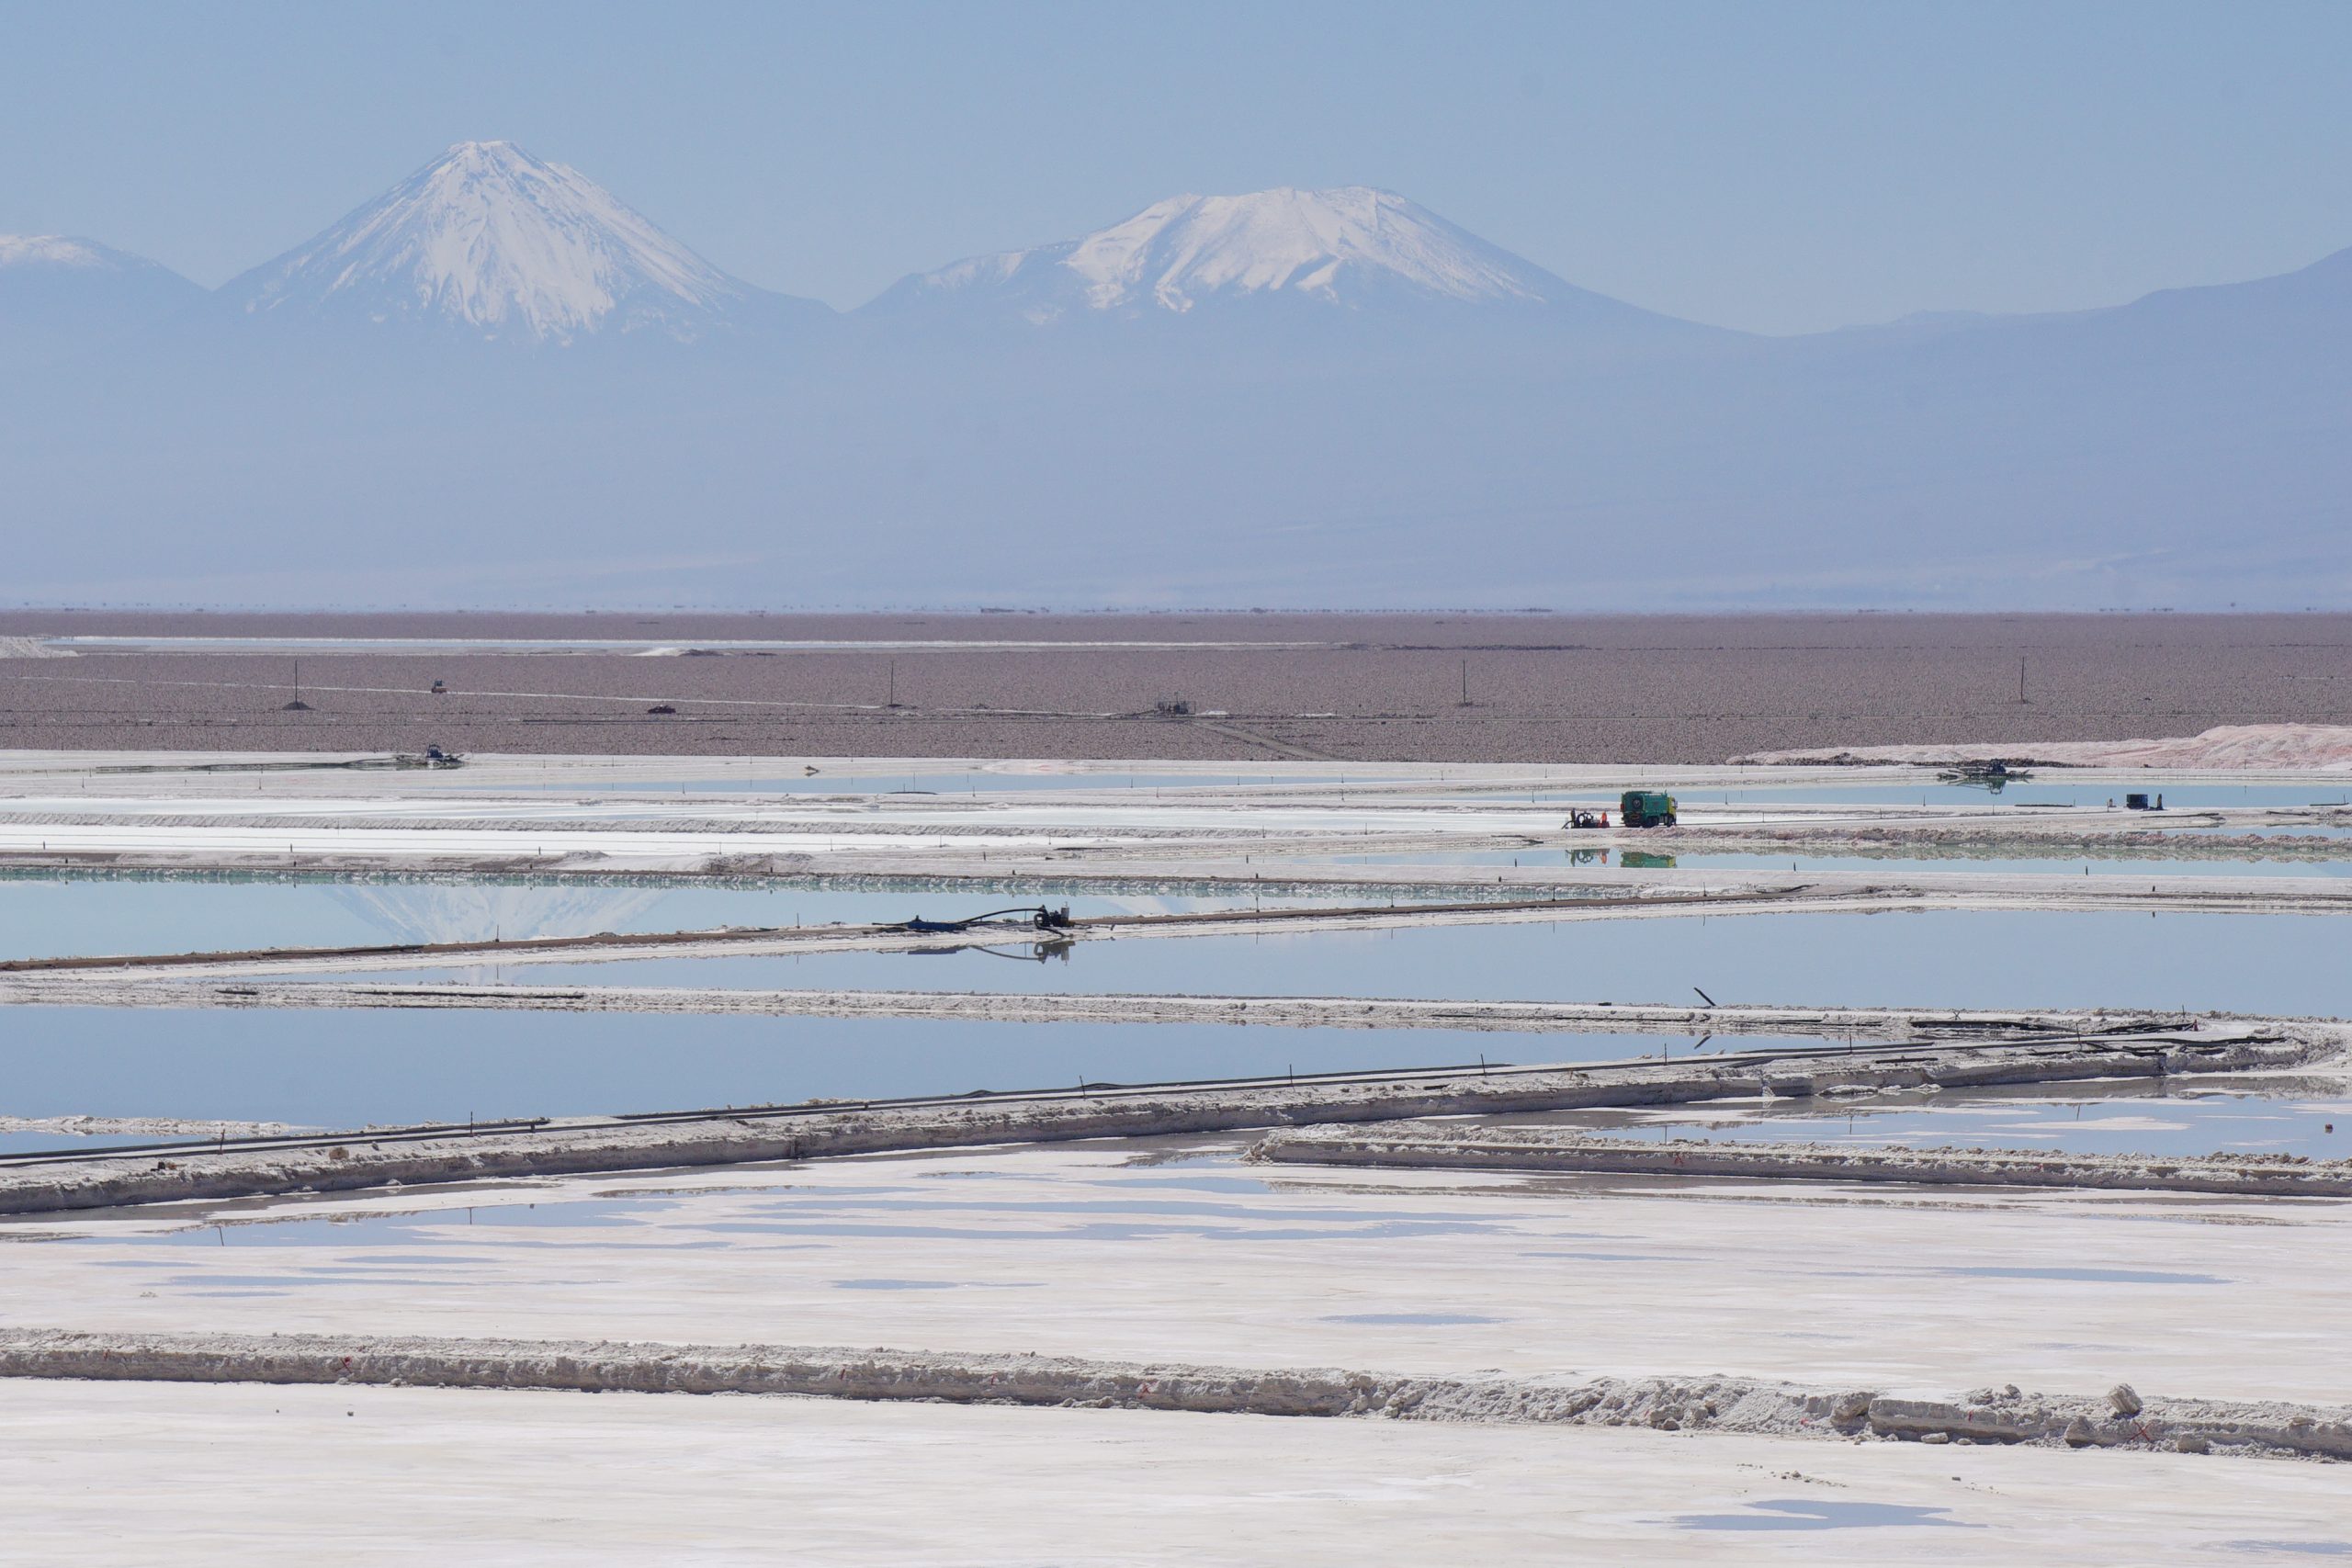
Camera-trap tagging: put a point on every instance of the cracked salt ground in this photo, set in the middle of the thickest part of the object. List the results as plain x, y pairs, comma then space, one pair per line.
1911, 1292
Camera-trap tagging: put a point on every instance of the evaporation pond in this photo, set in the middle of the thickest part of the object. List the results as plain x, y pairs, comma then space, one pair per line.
352, 1068
63, 915
2240, 962
2310, 1117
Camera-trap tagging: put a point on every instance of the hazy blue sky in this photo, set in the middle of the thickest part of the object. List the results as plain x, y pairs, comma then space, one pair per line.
1774, 166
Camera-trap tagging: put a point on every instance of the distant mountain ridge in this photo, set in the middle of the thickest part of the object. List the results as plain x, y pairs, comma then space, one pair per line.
1352, 249
60, 294
1330, 246
1317, 399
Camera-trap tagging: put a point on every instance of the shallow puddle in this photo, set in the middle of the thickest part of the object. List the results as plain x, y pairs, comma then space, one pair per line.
1823, 1514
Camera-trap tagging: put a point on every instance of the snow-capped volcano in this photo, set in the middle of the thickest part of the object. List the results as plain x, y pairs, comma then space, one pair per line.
490, 239
1327, 244
1354, 247
59, 294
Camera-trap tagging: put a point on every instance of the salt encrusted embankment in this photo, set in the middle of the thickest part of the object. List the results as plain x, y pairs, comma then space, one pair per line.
2119, 1419
1565, 1149
116, 990
343, 1162
2303, 747
141, 1126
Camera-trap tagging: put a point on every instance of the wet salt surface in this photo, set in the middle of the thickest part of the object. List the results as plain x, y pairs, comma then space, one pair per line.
2256, 963
401, 1229
2086, 1276
2290, 1547
1823, 1514
2127, 1118
354, 1067
820, 1216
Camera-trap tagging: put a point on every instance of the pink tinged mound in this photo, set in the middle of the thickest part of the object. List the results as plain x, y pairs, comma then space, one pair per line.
2283, 747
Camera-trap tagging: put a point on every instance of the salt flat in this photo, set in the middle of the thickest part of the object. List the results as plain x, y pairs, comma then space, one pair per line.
1163, 1251
1166, 1251
251, 1475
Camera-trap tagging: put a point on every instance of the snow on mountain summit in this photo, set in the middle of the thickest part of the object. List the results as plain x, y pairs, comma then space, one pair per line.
1349, 254
1343, 247
1309, 241
60, 295
62, 251
490, 238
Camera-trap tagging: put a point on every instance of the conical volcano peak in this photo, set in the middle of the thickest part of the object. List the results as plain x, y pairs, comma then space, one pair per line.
1346, 250
489, 238
1314, 242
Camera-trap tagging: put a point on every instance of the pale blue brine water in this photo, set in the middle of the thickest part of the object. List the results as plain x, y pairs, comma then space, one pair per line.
346, 1068
2239, 962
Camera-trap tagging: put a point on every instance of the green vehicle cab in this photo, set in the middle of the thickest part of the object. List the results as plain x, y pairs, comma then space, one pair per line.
1646, 808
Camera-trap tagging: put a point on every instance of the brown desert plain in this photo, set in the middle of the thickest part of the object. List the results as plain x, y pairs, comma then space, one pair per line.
1419, 687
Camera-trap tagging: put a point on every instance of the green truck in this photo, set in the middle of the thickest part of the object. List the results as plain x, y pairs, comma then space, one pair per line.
1646, 808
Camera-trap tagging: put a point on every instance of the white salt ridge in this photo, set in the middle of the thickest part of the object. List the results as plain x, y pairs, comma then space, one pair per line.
2288, 747
493, 238
83, 1127
1328, 246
